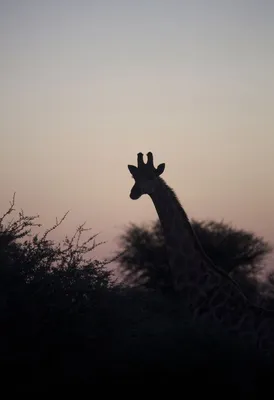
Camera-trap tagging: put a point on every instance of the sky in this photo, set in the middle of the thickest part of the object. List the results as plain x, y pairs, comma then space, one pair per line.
86, 85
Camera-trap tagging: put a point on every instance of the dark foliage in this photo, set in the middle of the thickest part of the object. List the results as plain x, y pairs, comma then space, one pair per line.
65, 324
144, 257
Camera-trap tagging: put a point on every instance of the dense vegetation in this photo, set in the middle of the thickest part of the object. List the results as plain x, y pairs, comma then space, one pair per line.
240, 253
64, 321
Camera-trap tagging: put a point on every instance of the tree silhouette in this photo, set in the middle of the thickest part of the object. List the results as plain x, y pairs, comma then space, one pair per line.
144, 257
63, 320
53, 299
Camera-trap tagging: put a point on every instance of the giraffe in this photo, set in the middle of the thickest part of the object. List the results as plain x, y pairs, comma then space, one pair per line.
208, 293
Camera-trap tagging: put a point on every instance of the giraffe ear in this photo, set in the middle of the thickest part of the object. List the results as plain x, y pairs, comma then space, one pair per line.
132, 169
160, 169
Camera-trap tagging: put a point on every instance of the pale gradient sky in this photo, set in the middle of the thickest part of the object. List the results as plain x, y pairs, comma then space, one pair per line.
86, 85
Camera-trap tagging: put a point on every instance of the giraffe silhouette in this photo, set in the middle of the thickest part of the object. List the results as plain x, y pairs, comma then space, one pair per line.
208, 293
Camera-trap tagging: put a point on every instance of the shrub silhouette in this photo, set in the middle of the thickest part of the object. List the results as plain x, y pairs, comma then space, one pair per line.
64, 321
144, 258
50, 294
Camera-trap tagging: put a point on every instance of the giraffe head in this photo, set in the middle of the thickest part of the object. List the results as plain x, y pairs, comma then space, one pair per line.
145, 176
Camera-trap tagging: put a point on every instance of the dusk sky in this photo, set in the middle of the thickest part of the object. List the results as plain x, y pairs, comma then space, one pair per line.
86, 85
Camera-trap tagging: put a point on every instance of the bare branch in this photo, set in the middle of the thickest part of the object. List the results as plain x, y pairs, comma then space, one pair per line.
58, 223
10, 210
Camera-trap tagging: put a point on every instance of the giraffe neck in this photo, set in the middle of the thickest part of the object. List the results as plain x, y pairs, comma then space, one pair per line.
207, 291
191, 269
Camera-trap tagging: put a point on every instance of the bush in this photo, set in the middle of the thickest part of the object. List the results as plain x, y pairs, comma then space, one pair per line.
50, 295
63, 321
144, 259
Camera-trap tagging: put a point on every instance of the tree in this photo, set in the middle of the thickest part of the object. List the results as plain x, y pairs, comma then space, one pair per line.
53, 299
63, 321
144, 258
